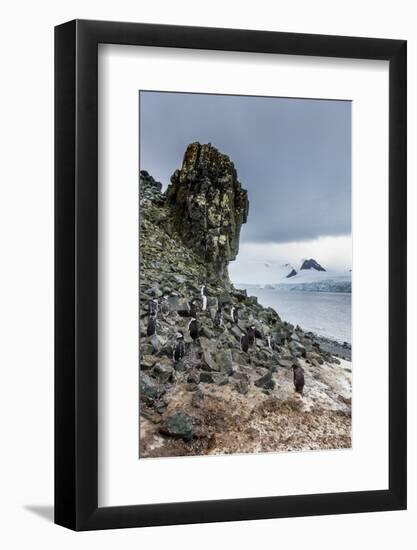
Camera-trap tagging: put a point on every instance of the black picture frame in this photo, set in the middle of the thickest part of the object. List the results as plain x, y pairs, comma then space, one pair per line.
76, 272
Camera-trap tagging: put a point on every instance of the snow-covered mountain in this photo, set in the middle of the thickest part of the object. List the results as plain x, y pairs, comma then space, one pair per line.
318, 281
311, 264
311, 276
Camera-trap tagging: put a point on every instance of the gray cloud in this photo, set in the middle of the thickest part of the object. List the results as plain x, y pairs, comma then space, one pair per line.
292, 155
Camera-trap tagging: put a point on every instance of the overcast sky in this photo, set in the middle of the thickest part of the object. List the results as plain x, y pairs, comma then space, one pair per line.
292, 155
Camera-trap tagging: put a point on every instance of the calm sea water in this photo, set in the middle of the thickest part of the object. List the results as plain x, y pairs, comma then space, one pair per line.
324, 313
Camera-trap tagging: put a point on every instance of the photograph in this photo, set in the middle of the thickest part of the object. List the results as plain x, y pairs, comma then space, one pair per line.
245, 270
208, 237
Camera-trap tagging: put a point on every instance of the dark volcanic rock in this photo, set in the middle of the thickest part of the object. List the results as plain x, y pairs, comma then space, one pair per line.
163, 372
178, 424
208, 206
220, 378
291, 274
297, 348
284, 363
312, 264
265, 382
224, 360
150, 390
206, 377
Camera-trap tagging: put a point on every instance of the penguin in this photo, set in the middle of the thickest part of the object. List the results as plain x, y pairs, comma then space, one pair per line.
152, 307
165, 306
234, 314
204, 297
244, 342
218, 318
193, 309
270, 342
298, 378
251, 335
151, 328
179, 348
193, 328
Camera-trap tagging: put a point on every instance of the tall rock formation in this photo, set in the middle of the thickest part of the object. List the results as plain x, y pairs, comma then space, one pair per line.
208, 206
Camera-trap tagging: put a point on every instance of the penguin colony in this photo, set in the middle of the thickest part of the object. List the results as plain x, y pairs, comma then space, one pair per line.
247, 340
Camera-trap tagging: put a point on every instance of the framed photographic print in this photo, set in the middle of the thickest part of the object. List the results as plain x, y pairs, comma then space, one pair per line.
230, 248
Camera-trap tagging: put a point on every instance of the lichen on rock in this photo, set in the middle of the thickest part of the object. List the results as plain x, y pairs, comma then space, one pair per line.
208, 206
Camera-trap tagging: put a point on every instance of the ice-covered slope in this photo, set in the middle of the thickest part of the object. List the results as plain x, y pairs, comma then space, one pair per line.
286, 276
306, 279
318, 281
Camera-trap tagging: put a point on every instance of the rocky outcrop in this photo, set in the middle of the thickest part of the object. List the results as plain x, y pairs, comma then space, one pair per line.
312, 264
208, 206
292, 273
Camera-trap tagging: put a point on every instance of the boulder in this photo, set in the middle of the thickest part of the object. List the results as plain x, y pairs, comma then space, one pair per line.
225, 298
147, 362
297, 349
178, 424
212, 311
314, 357
284, 363
279, 338
163, 372
150, 389
212, 302
237, 333
206, 332
179, 279
295, 337
224, 361
193, 377
146, 349
239, 357
206, 377
220, 378
209, 348
182, 308
180, 366
265, 382
155, 291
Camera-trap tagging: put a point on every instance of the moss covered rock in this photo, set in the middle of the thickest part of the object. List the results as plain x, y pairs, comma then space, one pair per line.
208, 206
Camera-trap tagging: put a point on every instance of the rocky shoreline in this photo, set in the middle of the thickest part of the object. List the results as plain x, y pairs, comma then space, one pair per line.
217, 398
337, 349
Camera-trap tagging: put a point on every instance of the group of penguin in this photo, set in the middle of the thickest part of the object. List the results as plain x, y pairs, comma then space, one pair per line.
179, 348
247, 339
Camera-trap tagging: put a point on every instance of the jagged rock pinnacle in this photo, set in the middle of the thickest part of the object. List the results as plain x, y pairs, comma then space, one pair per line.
312, 264
208, 206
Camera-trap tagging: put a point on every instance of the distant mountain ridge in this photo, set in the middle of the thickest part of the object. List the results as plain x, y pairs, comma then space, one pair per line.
306, 264
311, 277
